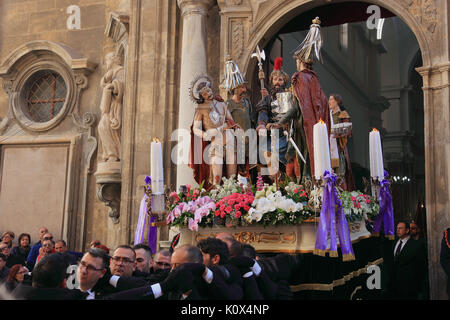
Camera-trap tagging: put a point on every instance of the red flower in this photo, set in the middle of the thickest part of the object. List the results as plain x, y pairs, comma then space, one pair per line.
222, 207
217, 213
237, 207
358, 205
222, 214
237, 214
246, 207
231, 201
295, 190
228, 209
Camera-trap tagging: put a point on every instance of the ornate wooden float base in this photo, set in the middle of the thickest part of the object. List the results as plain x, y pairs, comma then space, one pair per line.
288, 239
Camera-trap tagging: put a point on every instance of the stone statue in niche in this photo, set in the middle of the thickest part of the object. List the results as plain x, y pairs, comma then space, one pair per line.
109, 127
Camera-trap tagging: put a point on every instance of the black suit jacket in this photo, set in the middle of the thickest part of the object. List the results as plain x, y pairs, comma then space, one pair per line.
31, 293
407, 270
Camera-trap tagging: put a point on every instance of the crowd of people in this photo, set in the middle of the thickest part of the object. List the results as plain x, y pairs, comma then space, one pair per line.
218, 268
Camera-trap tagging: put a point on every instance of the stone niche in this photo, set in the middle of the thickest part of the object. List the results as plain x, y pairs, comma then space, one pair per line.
46, 145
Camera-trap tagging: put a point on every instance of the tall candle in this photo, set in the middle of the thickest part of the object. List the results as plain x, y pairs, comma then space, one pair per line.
376, 155
156, 167
321, 149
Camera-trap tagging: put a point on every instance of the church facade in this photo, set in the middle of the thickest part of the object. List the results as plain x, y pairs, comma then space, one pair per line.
68, 67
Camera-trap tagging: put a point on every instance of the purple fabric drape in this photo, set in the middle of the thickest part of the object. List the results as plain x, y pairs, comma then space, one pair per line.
386, 213
152, 235
332, 220
142, 221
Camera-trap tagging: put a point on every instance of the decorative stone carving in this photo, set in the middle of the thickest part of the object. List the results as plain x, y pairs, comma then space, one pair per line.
237, 39
425, 12
110, 194
234, 2
108, 173
109, 127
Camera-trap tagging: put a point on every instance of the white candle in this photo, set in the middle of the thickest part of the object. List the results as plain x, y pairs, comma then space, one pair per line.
156, 167
376, 155
321, 150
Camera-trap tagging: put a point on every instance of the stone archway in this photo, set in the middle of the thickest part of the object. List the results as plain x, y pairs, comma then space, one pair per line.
245, 24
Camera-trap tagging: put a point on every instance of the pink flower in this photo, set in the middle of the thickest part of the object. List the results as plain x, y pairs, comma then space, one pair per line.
192, 225
176, 212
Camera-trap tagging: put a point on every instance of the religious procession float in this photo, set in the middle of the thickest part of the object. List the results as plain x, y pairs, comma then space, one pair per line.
301, 198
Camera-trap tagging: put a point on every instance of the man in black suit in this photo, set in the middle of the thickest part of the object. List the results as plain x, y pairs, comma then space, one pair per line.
408, 265
49, 281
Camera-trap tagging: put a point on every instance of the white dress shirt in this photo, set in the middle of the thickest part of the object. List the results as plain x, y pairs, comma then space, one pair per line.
403, 241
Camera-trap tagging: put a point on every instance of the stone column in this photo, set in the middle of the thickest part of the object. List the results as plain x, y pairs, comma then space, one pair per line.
436, 87
193, 63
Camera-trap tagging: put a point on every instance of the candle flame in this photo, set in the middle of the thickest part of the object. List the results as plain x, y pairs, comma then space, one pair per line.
155, 139
321, 121
374, 130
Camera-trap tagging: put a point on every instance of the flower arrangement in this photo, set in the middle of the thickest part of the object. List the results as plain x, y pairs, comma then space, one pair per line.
276, 209
234, 204
232, 207
229, 186
358, 206
192, 213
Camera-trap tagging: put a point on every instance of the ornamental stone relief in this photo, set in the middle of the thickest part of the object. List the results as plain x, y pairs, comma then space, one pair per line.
425, 12
234, 2
237, 39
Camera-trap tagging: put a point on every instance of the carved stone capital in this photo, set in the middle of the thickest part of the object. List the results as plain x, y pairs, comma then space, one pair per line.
201, 7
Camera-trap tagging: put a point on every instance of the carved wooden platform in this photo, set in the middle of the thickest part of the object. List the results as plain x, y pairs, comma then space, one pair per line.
289, 239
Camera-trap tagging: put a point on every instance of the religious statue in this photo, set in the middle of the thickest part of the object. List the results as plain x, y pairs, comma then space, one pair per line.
312, 101
244, 114
273, 110
341, 130
109, 127
212, 122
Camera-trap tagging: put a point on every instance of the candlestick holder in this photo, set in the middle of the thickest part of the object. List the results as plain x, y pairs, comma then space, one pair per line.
375, 186
156, 204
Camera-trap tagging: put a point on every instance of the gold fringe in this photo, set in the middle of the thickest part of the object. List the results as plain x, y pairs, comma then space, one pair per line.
376, 234
319, 252
391, 237
348, 257
333, 254
335, 283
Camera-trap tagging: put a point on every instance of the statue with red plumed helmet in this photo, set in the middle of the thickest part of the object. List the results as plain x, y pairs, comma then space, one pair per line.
276, 102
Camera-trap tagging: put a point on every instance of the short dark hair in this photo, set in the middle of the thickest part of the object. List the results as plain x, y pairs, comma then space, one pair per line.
63, 242
193, 253
248, 250
125, 246
100, 253
405, 222
22, 235
145, 247
235, 248
213, 246
50, 271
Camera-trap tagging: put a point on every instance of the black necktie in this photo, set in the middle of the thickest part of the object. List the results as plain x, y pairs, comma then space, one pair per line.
399, 248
